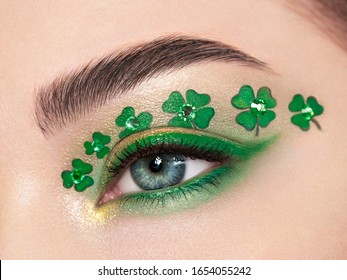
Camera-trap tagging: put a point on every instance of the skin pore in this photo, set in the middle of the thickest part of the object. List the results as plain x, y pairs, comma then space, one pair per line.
290, 204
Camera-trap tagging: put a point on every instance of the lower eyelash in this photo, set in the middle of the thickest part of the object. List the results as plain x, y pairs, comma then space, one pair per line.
231, 156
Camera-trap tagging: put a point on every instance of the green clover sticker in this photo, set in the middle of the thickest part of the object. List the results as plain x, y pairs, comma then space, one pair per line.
190, 113
258, 113
78, 176
307, 111
131, 123
98, 145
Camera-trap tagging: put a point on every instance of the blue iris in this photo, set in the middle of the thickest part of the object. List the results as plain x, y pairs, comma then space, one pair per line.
158, 171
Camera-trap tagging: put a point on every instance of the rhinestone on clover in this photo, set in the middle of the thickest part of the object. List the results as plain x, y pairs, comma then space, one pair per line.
258, 107
187, 112
190, 112
98, 146
77, 176
307, 112
132, 123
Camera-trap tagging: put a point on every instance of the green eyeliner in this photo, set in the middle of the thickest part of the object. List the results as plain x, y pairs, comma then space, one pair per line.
177, 198
230, 156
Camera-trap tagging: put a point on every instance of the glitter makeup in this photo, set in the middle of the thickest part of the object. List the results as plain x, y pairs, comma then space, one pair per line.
98, 145
190, 113
78, 176
306, 111
257, 113
132, 123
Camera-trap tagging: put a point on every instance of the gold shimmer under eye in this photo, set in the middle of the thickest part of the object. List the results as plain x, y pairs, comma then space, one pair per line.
84, 212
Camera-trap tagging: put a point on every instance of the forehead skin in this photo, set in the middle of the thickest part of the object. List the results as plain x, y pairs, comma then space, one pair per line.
297, 210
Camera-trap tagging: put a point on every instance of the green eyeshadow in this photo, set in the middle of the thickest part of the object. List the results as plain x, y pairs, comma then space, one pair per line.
191, 116
230, 155
177, 198
185, 135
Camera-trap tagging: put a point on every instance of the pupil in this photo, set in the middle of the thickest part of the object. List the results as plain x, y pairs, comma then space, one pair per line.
156, 164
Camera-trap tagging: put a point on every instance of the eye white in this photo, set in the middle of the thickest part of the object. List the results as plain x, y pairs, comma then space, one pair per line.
194, 167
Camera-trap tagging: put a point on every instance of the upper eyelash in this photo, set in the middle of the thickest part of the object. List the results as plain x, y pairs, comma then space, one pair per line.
188, 150
213, 148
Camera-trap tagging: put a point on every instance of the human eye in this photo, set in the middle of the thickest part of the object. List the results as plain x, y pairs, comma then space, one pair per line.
165, 170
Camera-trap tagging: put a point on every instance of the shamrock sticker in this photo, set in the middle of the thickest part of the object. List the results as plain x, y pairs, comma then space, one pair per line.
78, 176
98, 145
307, 111
258, 113
189, 113
131, 123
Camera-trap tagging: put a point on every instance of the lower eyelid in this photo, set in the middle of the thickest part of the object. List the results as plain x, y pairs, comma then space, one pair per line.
178, 198
203, 185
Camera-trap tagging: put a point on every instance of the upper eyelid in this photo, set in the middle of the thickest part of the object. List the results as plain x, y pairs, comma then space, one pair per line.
135, 139
73, 95
170, 148
114, 171
238, 151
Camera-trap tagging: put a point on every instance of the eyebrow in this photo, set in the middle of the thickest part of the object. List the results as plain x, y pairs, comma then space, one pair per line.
71, 96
